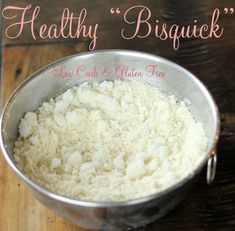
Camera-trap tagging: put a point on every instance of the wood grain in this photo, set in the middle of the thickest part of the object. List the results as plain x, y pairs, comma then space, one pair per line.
206, 208
21, 61
110, 25
20, 211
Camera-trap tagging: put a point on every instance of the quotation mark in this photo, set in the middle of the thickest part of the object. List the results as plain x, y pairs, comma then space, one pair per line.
230, 10
112, 11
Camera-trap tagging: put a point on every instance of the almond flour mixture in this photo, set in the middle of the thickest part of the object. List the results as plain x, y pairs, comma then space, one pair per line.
109, 141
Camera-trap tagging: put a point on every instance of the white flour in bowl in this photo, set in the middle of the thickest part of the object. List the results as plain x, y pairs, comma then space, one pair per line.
109, 141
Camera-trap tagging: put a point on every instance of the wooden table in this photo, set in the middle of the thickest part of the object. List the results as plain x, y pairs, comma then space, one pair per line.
207, 207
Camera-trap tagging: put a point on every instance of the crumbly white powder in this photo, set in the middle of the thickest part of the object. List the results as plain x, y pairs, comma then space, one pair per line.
109, 141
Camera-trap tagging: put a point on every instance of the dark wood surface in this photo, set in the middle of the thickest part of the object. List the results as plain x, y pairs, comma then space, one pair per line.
213, 61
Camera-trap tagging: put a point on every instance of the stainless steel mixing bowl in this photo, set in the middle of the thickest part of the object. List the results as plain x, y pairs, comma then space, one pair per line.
110, 64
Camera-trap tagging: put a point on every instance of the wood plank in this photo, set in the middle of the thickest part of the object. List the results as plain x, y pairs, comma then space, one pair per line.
21, 61
204, 207
19, 209
110, 26
208, 59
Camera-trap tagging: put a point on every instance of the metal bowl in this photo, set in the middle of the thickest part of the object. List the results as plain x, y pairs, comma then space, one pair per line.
55, 78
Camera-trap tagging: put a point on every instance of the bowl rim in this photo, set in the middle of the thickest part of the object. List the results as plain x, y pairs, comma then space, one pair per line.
104, 204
